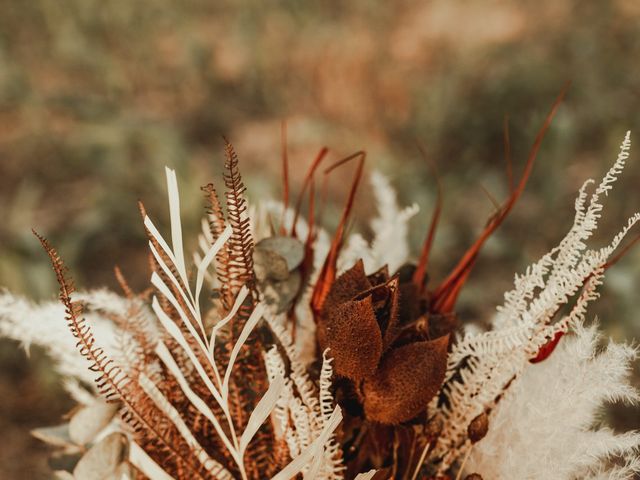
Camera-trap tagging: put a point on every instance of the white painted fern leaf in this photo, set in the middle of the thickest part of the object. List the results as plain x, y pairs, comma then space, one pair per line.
482, 366
390, 245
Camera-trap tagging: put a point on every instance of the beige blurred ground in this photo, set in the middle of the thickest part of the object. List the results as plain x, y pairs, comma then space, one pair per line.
96, 96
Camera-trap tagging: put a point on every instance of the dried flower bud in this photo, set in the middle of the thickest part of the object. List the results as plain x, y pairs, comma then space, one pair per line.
478, 427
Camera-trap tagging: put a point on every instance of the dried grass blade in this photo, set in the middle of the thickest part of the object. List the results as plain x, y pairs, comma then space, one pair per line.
253, 320
165, 356
312, 451
176, 226
177, 335
263, 409
172, 414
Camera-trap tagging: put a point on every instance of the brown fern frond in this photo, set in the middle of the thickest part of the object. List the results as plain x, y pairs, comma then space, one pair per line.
115, 385
241, 242
216, 222
134, 324
249, 378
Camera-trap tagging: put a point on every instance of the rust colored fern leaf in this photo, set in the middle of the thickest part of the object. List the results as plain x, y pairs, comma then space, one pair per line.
215, 219
240, 245
115, 385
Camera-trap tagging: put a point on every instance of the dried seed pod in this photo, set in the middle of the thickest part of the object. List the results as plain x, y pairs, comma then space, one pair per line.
379, 276
405, 382
352, 333
102, 459
478, 427
87, 422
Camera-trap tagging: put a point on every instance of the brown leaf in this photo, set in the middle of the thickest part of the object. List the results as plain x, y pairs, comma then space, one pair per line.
379, 276
384, 298
407, 379
352, 333
393, 314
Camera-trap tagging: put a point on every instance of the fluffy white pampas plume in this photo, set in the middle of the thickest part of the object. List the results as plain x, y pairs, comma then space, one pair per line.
549, 423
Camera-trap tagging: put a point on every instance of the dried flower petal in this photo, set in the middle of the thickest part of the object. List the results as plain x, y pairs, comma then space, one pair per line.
346, 287
352, 333
408, 378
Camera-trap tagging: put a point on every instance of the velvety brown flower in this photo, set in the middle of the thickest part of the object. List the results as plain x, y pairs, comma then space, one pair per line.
376, 344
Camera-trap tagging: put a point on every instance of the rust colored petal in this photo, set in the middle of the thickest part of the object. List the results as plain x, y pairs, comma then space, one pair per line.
408, 378
346, 287
393, 314
384, 298
352, 333
409, 302
379, 276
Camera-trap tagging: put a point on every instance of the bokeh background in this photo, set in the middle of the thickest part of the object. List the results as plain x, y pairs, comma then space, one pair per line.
97, 96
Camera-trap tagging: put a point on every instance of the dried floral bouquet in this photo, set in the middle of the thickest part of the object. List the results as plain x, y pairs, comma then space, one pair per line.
318, 357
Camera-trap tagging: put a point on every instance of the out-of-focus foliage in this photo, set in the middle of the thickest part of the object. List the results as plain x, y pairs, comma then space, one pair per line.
95, 96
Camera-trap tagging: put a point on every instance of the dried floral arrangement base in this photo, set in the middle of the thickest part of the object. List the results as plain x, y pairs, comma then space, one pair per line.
327, 358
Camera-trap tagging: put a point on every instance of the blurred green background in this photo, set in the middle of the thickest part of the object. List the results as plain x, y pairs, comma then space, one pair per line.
97, 96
